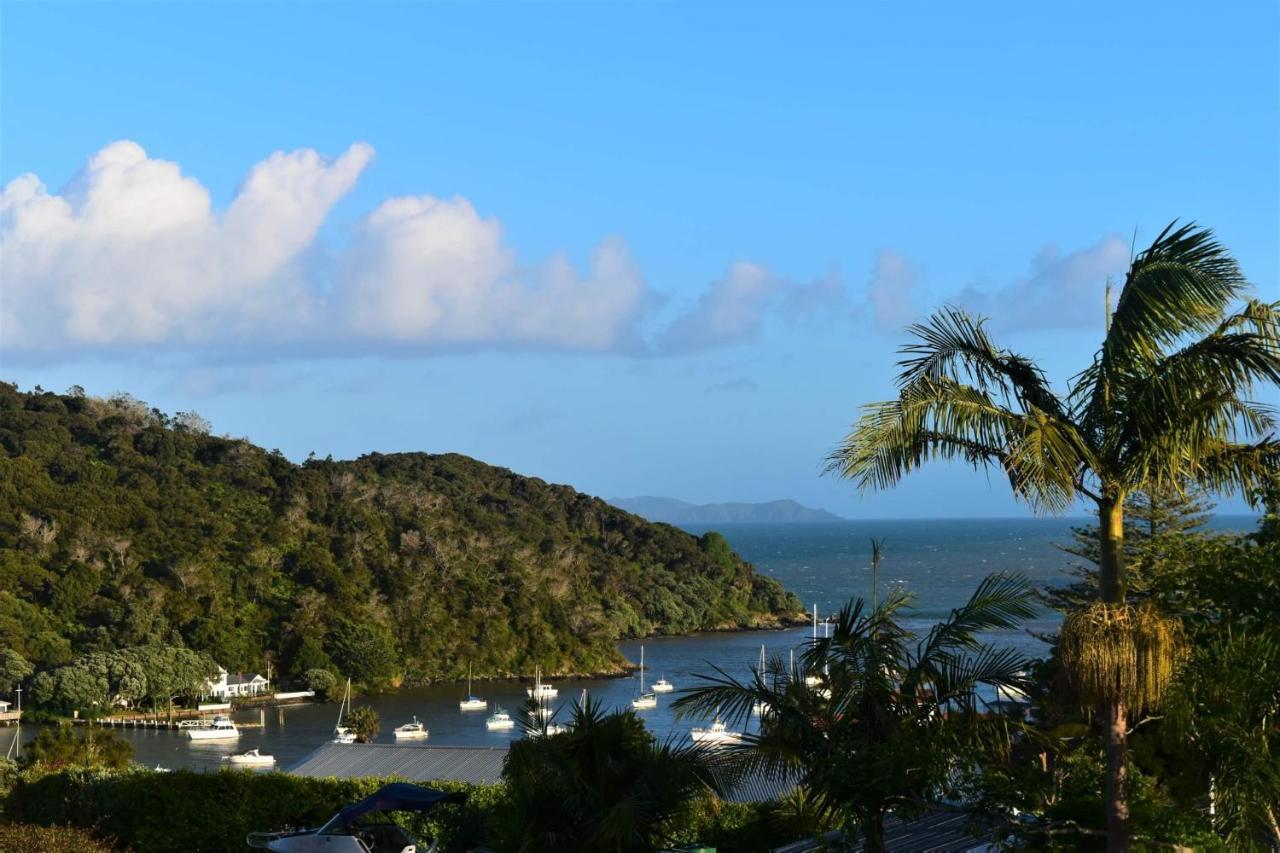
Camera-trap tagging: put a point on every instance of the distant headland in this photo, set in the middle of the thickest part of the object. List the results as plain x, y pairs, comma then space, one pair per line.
672, 511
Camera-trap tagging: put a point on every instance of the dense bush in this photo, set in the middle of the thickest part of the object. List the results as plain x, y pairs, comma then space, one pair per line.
163, 812
121, 527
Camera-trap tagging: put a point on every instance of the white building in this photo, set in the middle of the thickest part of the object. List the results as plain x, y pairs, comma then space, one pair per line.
4, 707
244, 684
238, 684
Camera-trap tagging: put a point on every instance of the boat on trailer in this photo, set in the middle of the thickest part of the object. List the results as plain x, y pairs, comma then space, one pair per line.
363, 827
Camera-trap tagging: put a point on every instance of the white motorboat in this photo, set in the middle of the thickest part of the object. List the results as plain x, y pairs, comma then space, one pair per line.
342, 734
540, 712
718, 734
551, 729
472, 702
363, 827
662, 686
644, 701
252, 758
499, 720
411, 731
540, 691
219, 728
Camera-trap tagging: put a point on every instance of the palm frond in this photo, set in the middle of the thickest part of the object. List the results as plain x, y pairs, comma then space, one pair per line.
954, 345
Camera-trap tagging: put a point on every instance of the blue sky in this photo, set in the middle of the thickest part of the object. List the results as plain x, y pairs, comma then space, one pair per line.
641, 249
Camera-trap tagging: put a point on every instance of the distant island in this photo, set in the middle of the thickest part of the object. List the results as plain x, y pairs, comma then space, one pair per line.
672, 511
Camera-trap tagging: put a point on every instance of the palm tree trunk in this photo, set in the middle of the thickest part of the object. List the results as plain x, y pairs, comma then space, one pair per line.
873, 829
1111, 588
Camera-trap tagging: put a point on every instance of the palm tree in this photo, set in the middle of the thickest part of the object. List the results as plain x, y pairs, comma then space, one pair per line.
604, 784
890, 717
1166, 402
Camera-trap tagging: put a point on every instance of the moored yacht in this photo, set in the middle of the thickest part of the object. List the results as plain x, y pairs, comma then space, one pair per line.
252, 758
644, 701
219, 728
472, 702
662, 686
718, 734
342, 734
411, 731
499, 720
541, 691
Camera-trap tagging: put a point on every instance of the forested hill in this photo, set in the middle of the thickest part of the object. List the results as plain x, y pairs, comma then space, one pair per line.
120, 527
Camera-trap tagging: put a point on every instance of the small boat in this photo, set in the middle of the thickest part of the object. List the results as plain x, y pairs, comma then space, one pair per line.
363, 827
541, 691
644, 701
718, 734
219, 728
500, 720
252, 758
472, 702
551, 729
541, 712
411, 731
342, 734
662, 686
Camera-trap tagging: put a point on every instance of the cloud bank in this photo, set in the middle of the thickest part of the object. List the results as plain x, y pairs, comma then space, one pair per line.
131, 254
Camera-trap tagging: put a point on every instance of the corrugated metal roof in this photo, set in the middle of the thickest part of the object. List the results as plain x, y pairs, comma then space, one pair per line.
465, 764
415, 763
939, 832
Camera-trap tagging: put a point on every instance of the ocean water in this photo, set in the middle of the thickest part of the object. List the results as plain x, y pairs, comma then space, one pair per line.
939, 562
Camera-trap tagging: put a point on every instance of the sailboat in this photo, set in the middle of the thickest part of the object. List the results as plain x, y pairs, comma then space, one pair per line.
472, 702
813, 680
342, 734
644, 701
760, 708
541, 691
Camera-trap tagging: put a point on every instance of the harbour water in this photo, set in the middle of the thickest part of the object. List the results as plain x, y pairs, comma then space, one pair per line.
940, 562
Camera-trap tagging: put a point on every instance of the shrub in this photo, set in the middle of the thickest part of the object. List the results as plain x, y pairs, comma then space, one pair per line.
26, 838
164, 812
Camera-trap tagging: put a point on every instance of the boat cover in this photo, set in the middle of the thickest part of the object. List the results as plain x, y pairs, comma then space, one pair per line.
397, 797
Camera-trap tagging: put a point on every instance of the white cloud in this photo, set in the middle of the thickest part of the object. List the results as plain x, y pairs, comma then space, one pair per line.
734, 308
890, 292
1060, 291
429, 269
131, 254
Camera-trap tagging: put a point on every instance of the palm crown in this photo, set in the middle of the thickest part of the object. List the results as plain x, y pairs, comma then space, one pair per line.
1166, 401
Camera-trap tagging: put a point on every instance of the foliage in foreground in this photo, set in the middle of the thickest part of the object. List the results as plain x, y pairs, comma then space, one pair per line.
30, 838
62, 746
1170, 399
605, 784
121, 527
878, 719
171, 812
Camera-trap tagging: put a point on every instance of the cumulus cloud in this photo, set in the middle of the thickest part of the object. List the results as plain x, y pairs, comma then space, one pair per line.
1061, 290
132, 253
734, 308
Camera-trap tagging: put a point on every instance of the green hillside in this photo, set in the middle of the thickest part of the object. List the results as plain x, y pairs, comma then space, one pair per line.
121, 526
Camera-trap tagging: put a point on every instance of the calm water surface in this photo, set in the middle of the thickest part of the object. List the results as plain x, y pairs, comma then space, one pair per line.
940, 562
